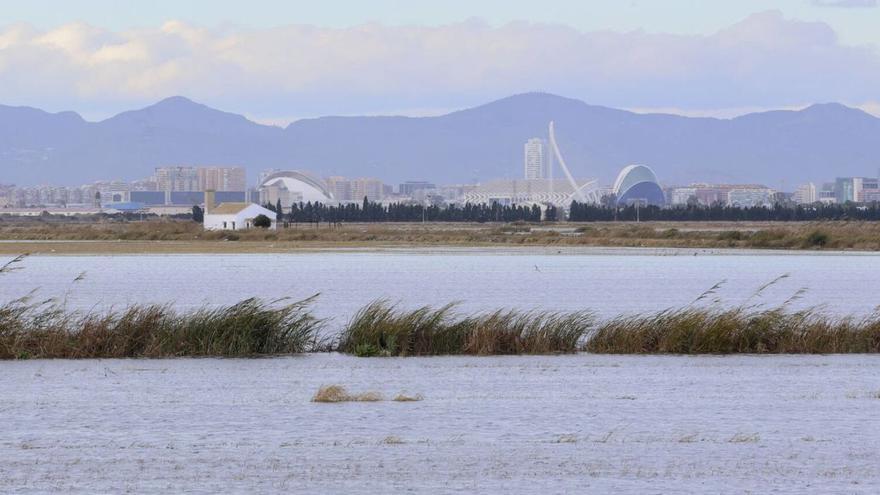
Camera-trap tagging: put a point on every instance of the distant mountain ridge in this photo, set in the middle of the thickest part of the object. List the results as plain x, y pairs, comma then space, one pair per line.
816, 143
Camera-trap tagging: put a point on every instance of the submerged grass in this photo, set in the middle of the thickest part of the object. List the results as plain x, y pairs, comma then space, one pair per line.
43, 329
381, 329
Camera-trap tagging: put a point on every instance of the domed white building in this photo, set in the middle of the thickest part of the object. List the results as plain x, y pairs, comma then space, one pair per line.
638, 183
294, 187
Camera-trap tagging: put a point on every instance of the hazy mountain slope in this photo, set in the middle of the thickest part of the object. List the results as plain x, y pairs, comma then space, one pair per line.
820, 142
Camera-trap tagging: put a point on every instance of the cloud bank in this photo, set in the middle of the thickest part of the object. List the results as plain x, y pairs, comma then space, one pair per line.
847, 4
764, 61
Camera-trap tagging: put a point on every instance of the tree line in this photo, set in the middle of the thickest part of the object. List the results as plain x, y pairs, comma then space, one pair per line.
582, 212
369, 211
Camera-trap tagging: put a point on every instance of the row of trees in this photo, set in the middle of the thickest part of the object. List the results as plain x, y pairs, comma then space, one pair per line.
369, 211
581, 212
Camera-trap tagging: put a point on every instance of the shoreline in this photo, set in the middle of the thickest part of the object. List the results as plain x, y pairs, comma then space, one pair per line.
167, 237
163, 248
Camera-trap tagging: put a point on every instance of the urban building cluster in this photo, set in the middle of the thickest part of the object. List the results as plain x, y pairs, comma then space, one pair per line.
176, 189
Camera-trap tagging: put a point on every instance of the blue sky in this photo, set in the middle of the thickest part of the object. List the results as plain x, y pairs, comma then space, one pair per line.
416, 57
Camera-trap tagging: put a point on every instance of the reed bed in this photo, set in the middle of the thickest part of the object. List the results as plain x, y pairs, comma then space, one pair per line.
381, 329
43, 329
699, 330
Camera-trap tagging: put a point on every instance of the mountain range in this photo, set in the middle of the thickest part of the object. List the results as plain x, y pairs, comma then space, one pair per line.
814, 144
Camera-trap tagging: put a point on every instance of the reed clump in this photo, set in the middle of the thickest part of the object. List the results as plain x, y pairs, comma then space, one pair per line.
402, 397
43, 329
699, 330
338, 393
381, 329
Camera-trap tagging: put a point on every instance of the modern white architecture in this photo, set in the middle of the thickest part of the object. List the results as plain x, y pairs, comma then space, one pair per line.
294, 187
637, 183
557, 192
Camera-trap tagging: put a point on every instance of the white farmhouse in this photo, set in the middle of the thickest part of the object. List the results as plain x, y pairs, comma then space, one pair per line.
233, 216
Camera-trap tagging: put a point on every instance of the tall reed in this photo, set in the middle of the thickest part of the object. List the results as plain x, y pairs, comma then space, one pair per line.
694, 330
382, 329
43, 329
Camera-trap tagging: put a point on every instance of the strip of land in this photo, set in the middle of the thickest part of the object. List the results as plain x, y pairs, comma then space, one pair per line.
178, 236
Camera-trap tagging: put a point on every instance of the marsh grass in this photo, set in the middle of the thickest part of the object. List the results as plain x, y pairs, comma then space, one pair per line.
31, 328
841, 234
712, 331
753, 329
381, 329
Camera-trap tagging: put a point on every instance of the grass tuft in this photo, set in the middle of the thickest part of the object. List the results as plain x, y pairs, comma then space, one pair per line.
338, 393
408, 398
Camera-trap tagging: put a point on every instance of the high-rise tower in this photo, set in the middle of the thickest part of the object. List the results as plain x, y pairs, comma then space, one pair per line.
534, 158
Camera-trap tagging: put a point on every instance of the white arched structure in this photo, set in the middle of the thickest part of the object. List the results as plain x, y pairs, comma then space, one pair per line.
638, 183
586, 193
294, 186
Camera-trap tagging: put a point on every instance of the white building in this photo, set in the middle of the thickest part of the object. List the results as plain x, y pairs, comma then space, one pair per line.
750, 197
534, 159
233, 216
521, 191
682, 195
806, 194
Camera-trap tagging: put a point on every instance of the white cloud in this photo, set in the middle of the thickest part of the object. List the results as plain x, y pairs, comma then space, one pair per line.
847, 4
764, 61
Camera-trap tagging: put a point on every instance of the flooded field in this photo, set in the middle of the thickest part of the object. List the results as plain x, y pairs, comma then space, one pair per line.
781, 424
554, 424
607, 281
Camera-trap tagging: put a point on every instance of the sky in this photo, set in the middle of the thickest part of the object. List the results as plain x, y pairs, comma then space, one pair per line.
277, 61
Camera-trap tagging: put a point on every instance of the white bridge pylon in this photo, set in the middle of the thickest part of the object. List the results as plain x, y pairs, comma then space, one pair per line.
586, 193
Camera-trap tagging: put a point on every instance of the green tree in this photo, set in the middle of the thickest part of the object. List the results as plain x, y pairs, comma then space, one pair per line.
262, 221
198, 215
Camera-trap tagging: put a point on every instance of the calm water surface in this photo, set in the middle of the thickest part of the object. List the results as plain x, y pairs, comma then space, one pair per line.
609, 282
556, 424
